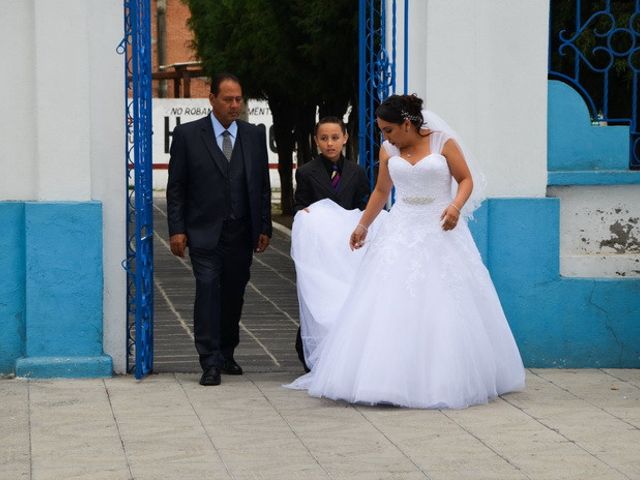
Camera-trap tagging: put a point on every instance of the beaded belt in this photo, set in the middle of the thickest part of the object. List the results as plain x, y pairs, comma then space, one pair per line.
417, 200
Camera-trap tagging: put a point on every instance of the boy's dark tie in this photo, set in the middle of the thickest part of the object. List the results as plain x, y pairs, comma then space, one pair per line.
335, 176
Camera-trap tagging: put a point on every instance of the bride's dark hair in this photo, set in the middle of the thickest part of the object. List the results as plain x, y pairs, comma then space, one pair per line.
398, 108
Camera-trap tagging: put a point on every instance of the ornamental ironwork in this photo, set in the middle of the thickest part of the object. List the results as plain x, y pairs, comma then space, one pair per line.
594, 46
136, 47
376, 76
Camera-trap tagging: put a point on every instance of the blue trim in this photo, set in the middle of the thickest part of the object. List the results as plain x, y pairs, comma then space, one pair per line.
64, 367
596, 177
575, 144
12, 280
54, 307
557, 321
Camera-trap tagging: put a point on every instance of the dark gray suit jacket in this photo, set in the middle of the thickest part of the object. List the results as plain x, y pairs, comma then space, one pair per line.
198, 186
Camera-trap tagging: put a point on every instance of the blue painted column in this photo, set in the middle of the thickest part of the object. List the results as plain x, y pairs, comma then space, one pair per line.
64, 288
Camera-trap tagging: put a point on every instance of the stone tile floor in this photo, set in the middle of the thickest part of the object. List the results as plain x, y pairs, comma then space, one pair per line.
567, 424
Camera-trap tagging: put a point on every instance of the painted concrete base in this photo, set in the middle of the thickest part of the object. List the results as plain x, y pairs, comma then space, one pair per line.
52, 310
64, 367
557, 321
599, 230
12, 280
577, 145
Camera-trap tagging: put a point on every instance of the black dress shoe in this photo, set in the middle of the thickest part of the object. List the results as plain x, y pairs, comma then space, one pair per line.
230, 367
211, 376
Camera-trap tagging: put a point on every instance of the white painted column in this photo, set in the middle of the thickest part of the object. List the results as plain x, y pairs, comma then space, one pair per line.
107, 106
62, 92
417, 50
18, 122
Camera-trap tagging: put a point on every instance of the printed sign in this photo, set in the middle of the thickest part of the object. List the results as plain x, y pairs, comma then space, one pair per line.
170, 112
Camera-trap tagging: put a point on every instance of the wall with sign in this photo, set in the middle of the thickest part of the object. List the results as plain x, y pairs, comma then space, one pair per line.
169, 112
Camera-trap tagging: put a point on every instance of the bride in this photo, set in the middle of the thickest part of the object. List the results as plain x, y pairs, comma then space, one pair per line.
416, 320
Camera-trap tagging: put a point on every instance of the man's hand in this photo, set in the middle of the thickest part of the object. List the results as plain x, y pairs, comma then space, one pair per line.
178, 244
263, 243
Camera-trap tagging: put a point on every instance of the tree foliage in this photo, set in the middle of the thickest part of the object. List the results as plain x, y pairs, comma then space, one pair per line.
299, 55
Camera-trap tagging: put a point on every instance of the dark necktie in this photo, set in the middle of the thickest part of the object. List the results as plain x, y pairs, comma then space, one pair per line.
335, 176
227, 148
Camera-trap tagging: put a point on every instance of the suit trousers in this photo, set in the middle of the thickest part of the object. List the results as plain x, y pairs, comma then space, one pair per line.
221, 277
300, 350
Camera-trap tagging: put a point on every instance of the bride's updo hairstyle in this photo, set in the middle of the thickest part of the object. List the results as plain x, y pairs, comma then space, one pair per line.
398, 108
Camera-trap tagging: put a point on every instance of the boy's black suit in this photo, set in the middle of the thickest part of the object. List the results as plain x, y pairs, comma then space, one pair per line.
313, 183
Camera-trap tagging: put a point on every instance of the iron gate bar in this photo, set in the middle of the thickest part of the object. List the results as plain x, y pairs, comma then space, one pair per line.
376, 75
406, 47
136, 46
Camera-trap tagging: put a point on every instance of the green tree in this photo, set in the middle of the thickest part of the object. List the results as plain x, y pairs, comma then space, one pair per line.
299, 55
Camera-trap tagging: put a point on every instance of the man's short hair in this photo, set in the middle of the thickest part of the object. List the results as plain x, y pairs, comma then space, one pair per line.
218, 78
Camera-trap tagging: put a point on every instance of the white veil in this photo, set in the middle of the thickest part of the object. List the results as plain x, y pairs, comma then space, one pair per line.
434, 122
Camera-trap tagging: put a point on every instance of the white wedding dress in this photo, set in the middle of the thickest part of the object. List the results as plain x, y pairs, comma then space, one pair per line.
414, 320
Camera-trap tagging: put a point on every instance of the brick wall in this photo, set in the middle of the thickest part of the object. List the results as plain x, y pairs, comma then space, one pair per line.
179, 37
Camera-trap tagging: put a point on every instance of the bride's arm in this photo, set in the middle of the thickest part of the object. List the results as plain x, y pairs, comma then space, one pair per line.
376, 202
460, 171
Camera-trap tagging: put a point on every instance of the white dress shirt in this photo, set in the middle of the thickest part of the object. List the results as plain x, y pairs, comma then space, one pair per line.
218, 129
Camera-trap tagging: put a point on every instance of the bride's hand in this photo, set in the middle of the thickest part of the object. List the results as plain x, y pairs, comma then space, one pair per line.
358, 237
449, 218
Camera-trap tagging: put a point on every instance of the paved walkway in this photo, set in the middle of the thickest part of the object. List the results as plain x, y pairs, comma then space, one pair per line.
579, 425
270, 314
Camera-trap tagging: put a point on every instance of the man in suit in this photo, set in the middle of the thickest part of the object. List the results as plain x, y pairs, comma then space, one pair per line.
329, 175
219, 205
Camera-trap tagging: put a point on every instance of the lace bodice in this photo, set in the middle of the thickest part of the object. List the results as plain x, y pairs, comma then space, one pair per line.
425, 183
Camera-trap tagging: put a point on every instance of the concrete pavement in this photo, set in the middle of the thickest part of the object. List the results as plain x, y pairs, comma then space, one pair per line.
567, 424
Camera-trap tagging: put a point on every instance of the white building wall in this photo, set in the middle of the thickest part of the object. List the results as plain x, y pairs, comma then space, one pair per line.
62, 92
482, 66
107, 153
18, 126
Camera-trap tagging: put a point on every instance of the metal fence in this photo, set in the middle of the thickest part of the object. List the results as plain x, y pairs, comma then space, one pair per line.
594, 46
